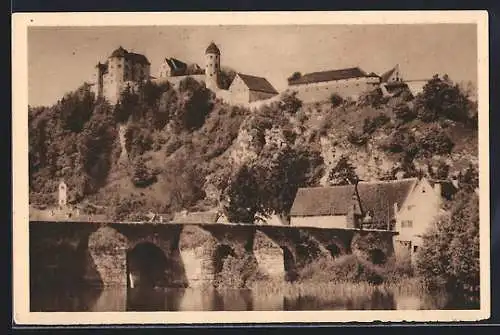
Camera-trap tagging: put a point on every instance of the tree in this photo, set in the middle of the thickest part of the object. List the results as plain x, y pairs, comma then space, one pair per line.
343, 173
441, 98
295, 76
289, 102
450, 253
469, 180
226, 77
243, 196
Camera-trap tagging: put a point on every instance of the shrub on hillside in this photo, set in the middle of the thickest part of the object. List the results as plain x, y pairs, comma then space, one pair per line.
142, 176
404, 113
370, 125
357, 139
336, 100
289, 103
435, 142
373, 99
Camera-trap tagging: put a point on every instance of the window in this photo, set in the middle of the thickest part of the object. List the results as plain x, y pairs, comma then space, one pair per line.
119, 66
415, 248
406, 224
410, 207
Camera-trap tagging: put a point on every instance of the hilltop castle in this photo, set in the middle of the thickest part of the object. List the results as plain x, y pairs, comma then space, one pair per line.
127, 69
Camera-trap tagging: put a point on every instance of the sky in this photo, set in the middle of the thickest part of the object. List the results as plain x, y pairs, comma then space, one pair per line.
61, 58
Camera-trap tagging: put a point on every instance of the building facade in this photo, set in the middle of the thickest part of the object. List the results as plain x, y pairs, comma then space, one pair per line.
347, 83
246, 89
409, 206
122, 69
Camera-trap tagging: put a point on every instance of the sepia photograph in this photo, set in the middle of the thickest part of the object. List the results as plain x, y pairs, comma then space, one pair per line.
183, 164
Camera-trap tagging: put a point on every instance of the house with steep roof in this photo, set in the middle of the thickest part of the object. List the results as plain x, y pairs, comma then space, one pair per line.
319, 86
246, 89
409, 206
172, 67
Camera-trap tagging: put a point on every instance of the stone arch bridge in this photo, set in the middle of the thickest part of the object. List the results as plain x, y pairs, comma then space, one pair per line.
185, 255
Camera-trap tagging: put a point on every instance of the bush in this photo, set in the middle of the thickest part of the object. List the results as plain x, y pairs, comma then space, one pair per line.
357, 139
289, 102
336, 100
236, 271
346, 268
370, 125
435, 142
404, 113
142, 175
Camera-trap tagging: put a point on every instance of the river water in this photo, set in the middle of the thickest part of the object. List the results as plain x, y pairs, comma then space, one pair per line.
115, 299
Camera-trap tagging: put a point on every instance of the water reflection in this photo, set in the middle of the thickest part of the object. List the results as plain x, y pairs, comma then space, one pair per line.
189, 299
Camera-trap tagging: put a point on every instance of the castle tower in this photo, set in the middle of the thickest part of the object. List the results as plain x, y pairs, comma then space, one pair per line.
115, 77
212, 66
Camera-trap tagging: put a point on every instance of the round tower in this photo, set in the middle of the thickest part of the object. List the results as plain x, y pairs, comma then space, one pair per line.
212, 66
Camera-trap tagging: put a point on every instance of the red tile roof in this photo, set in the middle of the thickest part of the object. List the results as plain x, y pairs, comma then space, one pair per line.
316, 77
378, 197
258, 84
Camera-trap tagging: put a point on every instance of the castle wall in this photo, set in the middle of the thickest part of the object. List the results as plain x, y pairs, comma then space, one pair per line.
316, 92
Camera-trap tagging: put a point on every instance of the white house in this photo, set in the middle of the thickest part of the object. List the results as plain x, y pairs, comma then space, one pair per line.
409, 206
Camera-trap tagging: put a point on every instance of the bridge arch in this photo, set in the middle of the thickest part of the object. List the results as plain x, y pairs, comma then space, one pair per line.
220, 255
147, 265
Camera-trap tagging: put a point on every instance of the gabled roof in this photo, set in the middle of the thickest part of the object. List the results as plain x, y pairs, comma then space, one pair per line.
316, 77
258, 84
378, 197
197, 217
386, 75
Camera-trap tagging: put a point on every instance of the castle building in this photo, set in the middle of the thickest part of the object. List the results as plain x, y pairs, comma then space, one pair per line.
122, 69
247, 89
319, 86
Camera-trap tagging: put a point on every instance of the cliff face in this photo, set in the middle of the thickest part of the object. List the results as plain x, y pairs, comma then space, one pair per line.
172, 148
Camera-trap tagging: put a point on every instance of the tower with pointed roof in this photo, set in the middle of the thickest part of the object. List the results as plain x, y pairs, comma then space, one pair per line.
212, 66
